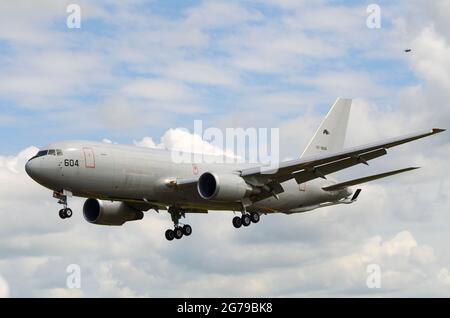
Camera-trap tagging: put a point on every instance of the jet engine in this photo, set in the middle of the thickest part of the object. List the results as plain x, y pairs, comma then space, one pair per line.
223, 187
109, 213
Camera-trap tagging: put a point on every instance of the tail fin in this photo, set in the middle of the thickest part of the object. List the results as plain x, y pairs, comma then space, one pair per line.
330, 136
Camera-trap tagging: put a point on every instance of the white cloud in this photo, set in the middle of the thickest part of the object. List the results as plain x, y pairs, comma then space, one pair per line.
50, 76
160, 90
182, 140
274, 49
178, 139
4, 288
145, 142
15, 163
202, 73
444, 276
109, 285
60, 293
219, 14
403, 244
431, 58
344, 84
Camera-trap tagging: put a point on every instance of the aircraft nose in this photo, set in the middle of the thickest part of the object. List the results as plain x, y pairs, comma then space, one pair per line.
31, 168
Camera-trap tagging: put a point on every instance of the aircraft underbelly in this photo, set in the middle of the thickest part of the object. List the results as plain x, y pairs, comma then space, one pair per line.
296, 196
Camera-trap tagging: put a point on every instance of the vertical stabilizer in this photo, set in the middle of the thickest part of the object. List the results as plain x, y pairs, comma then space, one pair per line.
330, 136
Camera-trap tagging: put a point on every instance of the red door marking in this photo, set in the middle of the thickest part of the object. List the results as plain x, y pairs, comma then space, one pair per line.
89, 158
194, 169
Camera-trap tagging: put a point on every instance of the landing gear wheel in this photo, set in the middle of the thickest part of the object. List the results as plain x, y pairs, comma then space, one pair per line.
246, 221
254, 217
62, 199
237, 222
178, 232
170, 235
68, 213
187, 230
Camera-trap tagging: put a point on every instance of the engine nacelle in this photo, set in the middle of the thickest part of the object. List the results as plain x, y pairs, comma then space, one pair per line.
109, 213
223, 187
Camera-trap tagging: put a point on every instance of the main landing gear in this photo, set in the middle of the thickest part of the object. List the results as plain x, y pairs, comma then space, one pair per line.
179, 231
246, 219
66, 212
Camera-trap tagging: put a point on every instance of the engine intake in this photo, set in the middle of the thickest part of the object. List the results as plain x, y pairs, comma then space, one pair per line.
109, 213
223, 187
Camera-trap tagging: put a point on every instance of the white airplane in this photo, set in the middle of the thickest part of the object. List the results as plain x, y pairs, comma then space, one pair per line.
121, 182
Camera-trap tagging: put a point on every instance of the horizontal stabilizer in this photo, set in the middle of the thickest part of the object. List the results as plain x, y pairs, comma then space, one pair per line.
350, 183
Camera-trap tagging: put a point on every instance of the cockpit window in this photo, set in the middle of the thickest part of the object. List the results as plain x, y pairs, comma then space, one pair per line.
41, 153
51, 152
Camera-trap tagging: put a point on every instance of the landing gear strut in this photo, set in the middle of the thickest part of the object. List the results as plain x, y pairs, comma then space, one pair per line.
179, 231
246, 219
66, 212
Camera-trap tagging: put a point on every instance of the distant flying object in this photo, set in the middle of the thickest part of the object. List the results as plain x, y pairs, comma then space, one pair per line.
120, 182
408, 50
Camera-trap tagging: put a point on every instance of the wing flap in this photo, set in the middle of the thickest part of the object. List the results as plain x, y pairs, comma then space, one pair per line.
350, 183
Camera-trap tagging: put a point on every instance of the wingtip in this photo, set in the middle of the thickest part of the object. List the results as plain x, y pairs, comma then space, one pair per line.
409, 169
438, 130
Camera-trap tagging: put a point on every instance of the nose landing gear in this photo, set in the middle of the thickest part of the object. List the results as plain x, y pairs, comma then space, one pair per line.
66, 212
179, 231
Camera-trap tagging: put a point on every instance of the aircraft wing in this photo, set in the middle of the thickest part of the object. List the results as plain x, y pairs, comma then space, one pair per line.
308, 168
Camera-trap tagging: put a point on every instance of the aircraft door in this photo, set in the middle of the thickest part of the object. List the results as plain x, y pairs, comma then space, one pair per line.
89, 158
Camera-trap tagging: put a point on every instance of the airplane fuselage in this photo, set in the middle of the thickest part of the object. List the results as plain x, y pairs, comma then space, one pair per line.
129, 173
